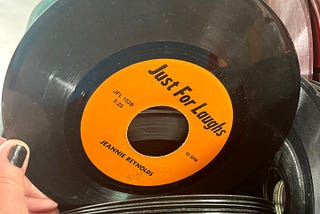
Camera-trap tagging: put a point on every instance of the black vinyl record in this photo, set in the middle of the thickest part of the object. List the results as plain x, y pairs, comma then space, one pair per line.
182, 204
235, 80
296, 164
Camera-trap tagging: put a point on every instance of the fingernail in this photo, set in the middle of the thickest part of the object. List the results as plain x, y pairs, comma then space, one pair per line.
17, 155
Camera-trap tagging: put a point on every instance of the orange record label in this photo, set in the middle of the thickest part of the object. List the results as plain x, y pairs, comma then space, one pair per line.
187, 87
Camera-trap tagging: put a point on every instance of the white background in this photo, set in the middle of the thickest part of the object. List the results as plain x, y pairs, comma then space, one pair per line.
14, 15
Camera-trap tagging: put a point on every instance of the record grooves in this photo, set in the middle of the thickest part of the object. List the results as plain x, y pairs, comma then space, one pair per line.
183, 204
296, 163
76, 82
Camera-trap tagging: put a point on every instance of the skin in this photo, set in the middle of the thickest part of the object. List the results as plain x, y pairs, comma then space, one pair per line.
17, 193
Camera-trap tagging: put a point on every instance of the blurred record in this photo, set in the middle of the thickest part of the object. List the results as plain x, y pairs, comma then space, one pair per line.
294, 176
315, 84
295, 16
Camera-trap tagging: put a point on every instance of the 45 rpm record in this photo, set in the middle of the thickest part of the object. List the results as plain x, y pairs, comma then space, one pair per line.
86, 71
182, 204
294, 173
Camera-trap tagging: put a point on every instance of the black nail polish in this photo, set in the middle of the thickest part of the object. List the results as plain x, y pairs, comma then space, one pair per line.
17, 155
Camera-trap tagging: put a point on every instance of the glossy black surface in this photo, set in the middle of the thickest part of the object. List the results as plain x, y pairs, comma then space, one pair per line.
260, 73
182, 204
297, 162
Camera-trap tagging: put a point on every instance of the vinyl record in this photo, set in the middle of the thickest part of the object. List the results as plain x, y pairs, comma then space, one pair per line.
182, 204
86, 71
293, 180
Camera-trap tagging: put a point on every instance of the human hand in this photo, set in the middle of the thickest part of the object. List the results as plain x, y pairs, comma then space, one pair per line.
17, 194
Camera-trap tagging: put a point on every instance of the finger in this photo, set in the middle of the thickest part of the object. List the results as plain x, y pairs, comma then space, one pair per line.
2, 140
51, 212
16, 153
41, 205
31, 190
14, 156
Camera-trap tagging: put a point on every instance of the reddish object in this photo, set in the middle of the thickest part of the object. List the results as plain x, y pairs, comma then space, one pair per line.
315, 21
295, 15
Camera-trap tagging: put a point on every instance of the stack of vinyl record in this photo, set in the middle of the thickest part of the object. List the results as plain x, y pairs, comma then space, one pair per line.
182, 204
171, 106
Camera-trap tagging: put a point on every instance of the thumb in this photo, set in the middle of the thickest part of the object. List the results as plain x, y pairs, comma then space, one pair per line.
14, 156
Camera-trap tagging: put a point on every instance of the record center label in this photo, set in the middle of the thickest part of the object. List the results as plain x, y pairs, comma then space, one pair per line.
178, 84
